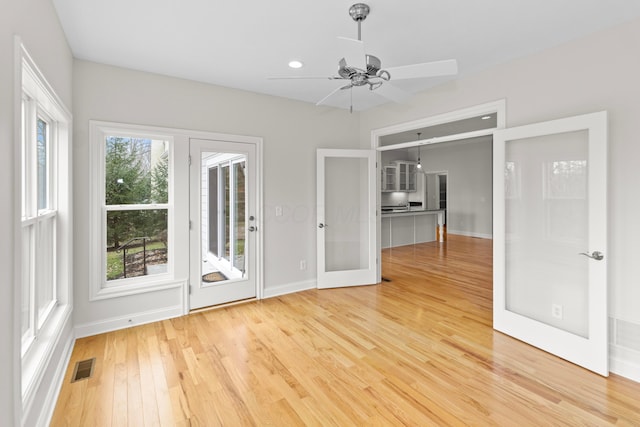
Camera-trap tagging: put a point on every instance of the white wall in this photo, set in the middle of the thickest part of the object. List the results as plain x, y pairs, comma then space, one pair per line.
291, 130
36, 22
598, 72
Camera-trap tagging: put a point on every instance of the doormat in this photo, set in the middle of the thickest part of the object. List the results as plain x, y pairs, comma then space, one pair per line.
216, 276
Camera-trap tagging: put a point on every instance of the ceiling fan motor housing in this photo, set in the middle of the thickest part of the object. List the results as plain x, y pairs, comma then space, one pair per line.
373, 67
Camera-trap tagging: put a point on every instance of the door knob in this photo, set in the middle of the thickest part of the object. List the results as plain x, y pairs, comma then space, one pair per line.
597, 255
321, 225
252, 228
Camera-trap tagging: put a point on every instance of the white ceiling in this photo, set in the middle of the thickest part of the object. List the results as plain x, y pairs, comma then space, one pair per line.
240, 44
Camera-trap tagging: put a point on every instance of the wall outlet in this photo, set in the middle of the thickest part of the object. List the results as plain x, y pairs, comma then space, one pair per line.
556, 311
278, 210
303, 264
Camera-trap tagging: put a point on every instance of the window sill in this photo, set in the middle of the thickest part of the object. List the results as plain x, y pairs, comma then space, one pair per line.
127, 289
37, 356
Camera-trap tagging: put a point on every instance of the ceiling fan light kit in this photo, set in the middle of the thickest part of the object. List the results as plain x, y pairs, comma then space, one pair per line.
362, 69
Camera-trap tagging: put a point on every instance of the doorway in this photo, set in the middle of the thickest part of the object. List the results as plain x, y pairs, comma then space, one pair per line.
436, 183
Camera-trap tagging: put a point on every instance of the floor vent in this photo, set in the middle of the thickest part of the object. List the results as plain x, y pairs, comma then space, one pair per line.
83, 369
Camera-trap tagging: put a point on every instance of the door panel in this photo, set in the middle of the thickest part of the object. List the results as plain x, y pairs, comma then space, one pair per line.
549, 207
223, 222
346, 218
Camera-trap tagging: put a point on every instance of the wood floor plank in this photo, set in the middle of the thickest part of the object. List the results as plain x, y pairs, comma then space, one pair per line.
416, 350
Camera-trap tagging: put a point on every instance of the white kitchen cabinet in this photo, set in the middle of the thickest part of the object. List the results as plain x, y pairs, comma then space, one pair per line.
390, 178
411, 227
399, 176
406, 176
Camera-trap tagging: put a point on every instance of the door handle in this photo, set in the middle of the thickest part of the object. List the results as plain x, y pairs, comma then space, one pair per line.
321, 225
252, 228
597, 255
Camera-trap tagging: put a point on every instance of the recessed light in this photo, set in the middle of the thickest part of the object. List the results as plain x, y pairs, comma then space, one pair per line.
485, 117
295, 64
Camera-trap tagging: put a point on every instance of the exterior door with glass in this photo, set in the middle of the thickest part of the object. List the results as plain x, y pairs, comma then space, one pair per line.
346, 218
550, 237
223, 223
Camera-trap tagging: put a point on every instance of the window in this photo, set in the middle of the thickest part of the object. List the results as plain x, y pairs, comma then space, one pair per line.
45, 215
136, 206
39, 215
134, 214
38, 223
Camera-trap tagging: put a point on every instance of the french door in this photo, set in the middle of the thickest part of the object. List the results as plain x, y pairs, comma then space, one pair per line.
223, 223
346, 218
550, 237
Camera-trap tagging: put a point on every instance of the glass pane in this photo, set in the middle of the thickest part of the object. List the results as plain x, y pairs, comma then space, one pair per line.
136, 171
546, 228
136, 243
212, 212
41, 148
45, 272
347, 226
27, 260
226, 214
25, 194
239, 215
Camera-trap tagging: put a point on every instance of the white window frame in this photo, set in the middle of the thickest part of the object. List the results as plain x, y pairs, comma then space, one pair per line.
36, 98
101, 288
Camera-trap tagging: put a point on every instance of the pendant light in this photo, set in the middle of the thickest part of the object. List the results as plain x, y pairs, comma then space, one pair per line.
419, 166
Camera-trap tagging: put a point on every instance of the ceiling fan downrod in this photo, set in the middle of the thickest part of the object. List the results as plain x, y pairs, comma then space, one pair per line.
359, 12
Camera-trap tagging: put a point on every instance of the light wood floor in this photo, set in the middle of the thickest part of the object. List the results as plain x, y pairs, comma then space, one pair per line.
418, 350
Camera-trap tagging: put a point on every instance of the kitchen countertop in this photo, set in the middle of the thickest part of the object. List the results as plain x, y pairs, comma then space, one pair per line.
411, 211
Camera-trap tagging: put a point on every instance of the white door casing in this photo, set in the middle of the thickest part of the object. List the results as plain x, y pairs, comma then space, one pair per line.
550, 219
346, 218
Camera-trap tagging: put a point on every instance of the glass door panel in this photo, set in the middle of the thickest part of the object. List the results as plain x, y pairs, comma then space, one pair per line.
346, 233
226, 200
546, 221
212, 211
240, 213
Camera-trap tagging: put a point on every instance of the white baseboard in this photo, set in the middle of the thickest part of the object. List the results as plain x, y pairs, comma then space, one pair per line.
624, 362
116, 323
289, 288
470, 234
49, 404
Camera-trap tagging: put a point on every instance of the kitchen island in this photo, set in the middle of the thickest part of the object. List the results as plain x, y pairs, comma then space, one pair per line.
410, 226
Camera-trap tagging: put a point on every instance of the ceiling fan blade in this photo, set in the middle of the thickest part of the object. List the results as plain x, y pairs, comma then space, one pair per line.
305, 77
393, 93
447, 67
353, 52
332, 93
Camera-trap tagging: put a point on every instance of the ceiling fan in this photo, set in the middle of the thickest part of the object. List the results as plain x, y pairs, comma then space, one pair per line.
361, 69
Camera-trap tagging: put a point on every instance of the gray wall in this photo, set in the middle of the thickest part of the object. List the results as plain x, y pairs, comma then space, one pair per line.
36, 22
291, 130
469, 184
598, 72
